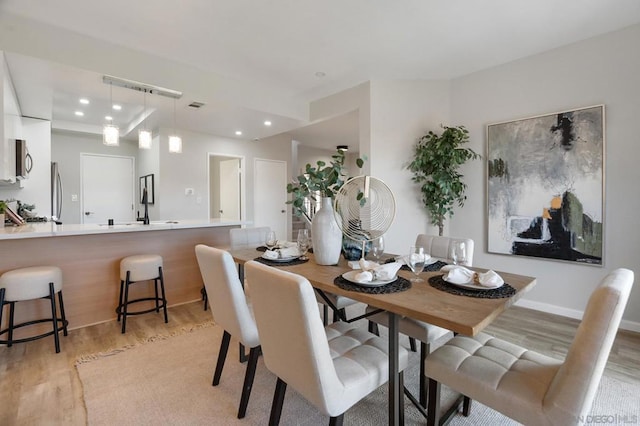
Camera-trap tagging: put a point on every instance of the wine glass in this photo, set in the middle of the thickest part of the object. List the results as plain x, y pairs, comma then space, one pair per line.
303, 243
458, 252
270, 240
415, 261
377, 248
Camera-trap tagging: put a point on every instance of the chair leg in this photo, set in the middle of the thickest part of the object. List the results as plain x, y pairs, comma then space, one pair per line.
401, 397
120, 300
54, 317
254, 353
63, 315
433, 409
424, 351
12, 306
1, 305
466, 406
222, 355
325, 315
125, 302
373, 328
412, 344
164, 296
336, 421
278, 400
155, 288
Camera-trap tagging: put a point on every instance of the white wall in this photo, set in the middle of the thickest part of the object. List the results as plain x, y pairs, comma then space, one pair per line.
65, 150
402, 112
190, 170
603, 70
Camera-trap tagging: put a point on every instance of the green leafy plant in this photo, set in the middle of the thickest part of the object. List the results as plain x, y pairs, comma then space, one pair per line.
323, 179
435, 168
3, 206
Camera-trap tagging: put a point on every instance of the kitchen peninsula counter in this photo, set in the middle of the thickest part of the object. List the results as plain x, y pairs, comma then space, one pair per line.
89, 256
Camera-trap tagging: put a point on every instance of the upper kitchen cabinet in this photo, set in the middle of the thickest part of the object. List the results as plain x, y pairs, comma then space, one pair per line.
10, 125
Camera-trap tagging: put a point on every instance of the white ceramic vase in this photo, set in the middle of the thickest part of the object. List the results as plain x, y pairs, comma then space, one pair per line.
326, 235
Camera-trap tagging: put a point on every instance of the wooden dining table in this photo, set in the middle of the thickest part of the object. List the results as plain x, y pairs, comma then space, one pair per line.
460, 314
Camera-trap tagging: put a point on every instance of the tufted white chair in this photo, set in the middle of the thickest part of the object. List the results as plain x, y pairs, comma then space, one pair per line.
248, 236
230, 311
524, 385
438, 247
332, 367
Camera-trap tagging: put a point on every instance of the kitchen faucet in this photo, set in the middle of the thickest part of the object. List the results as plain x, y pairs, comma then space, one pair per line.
145, 201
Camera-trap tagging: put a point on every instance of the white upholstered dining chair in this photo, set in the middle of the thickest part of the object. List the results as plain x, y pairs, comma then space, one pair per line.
527, 386
230, 311
425, 333
333, 367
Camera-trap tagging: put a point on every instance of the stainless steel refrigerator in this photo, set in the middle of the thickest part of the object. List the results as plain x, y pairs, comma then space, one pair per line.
56, 194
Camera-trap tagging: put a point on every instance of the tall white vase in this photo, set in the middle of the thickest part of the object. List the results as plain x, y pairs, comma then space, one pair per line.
327, 237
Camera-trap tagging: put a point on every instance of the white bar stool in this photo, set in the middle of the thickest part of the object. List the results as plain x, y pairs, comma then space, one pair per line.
37, 282
143, 267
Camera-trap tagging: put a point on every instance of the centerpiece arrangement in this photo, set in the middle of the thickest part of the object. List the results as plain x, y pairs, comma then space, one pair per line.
321, 182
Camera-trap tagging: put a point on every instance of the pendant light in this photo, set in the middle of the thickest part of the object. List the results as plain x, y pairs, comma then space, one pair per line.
144, 135
175, 141
110, 132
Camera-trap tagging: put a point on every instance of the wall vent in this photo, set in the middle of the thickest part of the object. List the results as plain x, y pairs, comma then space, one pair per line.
196, 105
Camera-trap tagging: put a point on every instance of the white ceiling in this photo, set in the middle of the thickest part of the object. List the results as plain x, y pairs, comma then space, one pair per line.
282, 44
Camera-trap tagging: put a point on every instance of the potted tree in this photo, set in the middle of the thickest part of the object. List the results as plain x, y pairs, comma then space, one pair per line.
3, 206
321, 182
435, 168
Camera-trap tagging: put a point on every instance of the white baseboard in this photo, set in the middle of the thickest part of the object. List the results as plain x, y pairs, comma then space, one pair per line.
570, 313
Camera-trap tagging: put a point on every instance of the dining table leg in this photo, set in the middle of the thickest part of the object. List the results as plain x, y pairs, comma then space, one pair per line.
395, 393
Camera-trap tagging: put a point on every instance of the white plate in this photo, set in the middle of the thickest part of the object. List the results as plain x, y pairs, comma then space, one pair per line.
351, 277
471, 285
281, 259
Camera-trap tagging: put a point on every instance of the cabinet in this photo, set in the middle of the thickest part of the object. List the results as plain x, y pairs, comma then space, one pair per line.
10, 125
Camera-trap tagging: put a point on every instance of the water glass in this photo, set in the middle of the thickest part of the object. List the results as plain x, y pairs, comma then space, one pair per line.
270, 240
304, 243
416, 261
377, 249
458, 252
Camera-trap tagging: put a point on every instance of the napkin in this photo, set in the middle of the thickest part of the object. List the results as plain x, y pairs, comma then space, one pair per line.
365, 265
460, 275
289, 252
384, 272
271, 254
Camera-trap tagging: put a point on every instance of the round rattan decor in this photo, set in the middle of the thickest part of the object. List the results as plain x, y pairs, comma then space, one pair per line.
364, 208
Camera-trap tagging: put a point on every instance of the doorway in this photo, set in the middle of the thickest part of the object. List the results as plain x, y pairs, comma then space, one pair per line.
270, 196
107, 185
226, 187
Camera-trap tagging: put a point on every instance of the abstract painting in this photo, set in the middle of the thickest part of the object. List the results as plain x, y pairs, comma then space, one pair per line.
545, 186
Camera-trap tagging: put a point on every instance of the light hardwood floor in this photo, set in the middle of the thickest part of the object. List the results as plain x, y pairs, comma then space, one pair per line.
40, 387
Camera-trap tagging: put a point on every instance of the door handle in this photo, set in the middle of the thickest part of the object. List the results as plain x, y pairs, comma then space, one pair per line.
220, 211
88, 213
283, 211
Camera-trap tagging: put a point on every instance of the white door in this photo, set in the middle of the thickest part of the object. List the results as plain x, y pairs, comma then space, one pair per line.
270, 196
230, 189
107, 188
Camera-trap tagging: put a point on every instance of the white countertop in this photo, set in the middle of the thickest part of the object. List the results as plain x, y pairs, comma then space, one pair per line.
50, 229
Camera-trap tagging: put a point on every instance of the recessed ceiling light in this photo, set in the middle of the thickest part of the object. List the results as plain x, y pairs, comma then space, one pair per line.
238, 133
320, 74
117, 107
267, 123
108, 117
84, 101
79, 113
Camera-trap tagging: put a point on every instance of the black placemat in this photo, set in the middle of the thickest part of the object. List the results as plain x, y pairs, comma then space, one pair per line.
272, 263
401, 284
429, 268
495, 293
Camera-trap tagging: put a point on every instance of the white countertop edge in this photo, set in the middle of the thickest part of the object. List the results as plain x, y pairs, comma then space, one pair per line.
50, 229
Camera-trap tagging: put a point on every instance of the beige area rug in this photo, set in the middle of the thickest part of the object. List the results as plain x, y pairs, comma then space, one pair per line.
168, 382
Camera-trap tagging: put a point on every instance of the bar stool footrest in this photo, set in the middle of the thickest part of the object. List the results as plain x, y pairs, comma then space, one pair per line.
163, 303
64, 323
